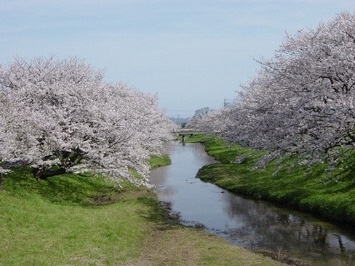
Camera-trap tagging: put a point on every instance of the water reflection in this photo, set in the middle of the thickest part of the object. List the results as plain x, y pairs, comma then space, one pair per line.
244, 222
279, 228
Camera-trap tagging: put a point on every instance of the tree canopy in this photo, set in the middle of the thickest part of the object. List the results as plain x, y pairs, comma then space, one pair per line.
59, 114
302, 100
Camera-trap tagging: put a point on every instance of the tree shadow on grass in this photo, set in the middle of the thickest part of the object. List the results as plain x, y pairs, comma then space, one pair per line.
160, 213
83, 189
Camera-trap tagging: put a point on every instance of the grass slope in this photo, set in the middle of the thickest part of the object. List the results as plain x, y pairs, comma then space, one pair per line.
306, 189
81, 220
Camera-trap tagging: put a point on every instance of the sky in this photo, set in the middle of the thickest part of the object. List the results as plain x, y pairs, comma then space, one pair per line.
190, 53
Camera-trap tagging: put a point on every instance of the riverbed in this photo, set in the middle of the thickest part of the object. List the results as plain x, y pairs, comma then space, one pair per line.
253, 224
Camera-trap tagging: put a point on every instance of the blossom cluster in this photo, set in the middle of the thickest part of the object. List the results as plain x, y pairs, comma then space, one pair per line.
61, 113
301, 101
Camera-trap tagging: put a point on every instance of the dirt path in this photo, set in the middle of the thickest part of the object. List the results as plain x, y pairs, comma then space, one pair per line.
176, 245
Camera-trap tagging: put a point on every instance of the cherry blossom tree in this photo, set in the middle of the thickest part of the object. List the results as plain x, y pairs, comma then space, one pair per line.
215, 122
62, 117
199, 115
302, 100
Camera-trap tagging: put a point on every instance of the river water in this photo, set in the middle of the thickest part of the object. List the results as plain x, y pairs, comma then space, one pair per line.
252, 224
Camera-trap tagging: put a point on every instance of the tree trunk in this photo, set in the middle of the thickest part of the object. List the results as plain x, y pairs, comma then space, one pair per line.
1, 181
41, 173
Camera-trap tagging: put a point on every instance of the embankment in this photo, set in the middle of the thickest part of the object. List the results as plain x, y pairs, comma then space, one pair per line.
81, 220
315, 190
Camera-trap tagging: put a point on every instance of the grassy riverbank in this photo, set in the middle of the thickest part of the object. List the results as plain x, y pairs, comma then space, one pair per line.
80, 220
310, 190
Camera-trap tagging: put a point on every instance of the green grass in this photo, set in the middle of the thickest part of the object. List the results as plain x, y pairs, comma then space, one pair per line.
157, 161
69, 219
83, 220
332, 196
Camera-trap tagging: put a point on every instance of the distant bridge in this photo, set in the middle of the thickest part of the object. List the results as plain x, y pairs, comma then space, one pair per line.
183, 132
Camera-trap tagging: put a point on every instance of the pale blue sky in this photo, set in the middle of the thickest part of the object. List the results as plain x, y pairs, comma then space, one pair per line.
192, 53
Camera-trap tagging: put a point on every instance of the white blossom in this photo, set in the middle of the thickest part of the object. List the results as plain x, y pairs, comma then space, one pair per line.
60, 112
302, 100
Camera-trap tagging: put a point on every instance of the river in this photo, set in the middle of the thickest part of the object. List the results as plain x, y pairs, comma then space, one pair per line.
252, 224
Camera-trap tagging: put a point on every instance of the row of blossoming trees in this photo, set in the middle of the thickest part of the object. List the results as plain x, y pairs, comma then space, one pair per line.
59, 116
301, 102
